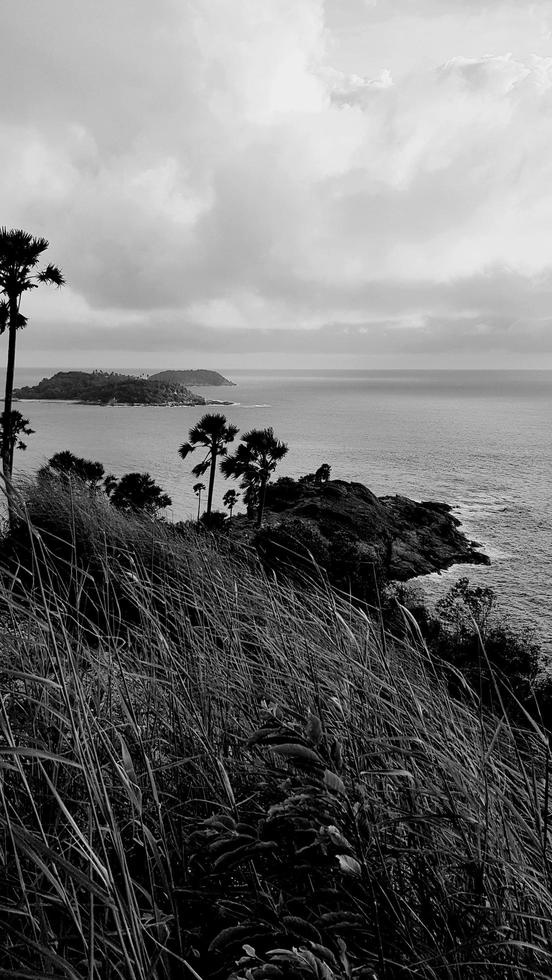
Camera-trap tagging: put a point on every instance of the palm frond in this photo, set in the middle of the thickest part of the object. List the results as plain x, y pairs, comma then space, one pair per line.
4, 315
202, 467
18, 247
52, 275
185, 450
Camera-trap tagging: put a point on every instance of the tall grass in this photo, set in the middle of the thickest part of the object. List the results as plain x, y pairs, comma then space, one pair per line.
207, 773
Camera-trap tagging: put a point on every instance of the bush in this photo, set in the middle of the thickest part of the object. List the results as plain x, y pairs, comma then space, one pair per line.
501, 664
216, 521
293, 547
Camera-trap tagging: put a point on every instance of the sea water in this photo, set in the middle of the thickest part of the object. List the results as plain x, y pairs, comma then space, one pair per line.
479, 440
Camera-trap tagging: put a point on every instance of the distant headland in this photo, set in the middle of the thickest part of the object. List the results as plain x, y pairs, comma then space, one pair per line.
110, 388
193, 379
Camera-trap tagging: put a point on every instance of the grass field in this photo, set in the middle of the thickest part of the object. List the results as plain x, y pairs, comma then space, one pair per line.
207, 773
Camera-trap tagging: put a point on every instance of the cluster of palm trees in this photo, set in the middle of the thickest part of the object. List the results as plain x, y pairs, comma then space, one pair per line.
253, 462
20, 254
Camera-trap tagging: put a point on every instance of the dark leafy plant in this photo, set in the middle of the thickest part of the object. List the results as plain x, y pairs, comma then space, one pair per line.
139, 492
216, 521
68, 466
17, 428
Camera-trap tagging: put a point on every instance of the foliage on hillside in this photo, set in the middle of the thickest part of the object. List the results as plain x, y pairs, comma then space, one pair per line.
209, 774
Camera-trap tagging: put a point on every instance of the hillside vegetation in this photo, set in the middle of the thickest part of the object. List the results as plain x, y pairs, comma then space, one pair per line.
206, 773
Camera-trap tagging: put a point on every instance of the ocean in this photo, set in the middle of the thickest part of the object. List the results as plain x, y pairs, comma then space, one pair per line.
479, 440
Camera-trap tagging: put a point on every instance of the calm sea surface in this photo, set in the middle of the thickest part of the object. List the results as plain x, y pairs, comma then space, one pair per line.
479, 440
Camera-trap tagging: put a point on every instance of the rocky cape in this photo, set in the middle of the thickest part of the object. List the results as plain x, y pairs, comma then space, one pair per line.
401, 536
109, 388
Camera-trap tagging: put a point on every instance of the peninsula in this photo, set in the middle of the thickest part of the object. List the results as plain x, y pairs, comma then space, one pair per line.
402, 537
109, 388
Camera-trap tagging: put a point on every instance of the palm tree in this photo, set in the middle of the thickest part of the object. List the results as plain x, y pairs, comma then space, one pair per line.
213, 433
198, 490
230, 500
254, 461
19, 257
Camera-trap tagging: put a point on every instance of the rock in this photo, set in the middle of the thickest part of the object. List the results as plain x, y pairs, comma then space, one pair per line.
404, 537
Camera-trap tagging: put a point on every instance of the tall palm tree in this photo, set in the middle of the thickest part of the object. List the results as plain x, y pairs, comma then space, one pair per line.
212, 433
198, 489
20, 254
254, 461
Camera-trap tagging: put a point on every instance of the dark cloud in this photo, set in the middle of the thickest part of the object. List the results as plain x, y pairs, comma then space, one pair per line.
205, 173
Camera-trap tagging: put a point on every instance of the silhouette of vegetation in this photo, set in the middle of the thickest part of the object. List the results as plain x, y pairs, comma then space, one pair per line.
295, 547
230, 499
67, 465
138, 492
500, 664
198, 489
216, 521
254, 462
17, 428
322, 474
20, 254
212, 433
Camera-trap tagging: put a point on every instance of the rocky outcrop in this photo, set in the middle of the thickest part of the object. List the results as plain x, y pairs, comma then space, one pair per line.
398, 535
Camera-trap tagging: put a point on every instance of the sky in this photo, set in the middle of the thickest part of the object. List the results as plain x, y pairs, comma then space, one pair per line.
282, 183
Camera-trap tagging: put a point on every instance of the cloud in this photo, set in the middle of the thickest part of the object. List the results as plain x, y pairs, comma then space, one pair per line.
208, 175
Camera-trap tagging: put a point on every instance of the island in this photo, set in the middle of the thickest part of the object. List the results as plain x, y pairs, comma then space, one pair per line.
192, 379
109, 388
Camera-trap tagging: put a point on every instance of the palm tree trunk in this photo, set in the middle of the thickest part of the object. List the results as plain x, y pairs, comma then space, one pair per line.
198, 506
262, 499
211, 480
7, 456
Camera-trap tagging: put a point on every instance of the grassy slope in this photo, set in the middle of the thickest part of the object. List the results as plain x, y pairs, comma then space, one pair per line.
393, 832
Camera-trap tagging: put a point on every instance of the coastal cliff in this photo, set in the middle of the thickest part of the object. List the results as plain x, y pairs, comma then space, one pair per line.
402, 537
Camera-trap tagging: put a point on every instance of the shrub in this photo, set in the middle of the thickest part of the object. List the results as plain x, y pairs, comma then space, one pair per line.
216, 521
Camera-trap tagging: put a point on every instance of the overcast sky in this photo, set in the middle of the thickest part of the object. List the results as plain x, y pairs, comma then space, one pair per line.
356, 183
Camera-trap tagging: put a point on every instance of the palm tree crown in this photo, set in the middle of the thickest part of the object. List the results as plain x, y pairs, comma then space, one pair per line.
254, 461
212, 433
